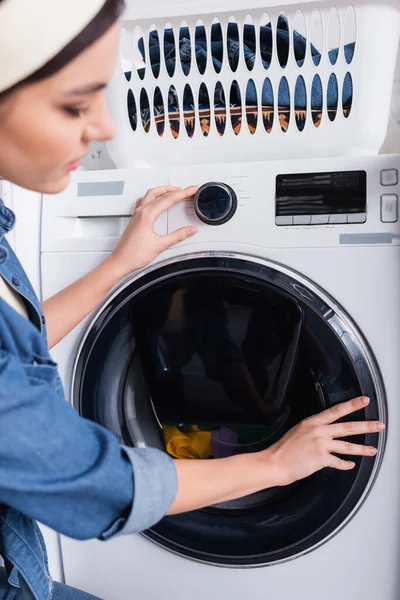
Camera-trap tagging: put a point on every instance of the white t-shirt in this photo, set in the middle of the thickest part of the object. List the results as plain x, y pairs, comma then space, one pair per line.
12, 298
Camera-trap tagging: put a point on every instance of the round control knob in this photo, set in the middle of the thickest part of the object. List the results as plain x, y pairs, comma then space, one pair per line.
215, 203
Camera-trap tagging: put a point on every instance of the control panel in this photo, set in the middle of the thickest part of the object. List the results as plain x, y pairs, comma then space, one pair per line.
309, 203
332, 198
293, 203
389, 201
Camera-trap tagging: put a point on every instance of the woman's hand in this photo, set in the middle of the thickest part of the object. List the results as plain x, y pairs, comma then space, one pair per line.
308, 447
305, 449
140, 244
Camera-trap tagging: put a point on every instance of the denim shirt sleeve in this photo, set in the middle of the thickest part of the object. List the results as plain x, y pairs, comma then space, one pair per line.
155, 477
65, 471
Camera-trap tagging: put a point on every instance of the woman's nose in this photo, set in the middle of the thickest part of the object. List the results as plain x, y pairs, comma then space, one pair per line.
101, 126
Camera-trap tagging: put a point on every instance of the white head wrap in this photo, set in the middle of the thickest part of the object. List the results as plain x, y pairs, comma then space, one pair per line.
34, 31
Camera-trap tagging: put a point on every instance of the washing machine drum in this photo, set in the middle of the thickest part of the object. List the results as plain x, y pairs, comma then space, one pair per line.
239, 350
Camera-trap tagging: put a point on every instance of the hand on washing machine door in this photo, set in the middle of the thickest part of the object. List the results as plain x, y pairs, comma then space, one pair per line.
307, 448
140, 244
312, 444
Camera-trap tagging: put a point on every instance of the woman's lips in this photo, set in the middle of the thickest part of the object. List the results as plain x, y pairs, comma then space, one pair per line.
72, 166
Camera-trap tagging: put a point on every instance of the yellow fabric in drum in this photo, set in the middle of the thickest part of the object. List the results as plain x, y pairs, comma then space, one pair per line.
188, 443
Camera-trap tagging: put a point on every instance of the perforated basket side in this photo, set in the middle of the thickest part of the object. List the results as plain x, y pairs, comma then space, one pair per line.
321, 88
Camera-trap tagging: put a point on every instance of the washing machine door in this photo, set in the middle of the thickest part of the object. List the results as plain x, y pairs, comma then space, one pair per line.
241, 350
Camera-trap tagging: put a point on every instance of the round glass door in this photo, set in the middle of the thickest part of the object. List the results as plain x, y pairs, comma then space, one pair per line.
213, 356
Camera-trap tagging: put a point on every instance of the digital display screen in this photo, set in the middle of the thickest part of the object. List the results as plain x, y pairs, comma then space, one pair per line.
330, 193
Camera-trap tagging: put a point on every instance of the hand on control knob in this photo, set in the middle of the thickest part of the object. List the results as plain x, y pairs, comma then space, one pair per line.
140, 244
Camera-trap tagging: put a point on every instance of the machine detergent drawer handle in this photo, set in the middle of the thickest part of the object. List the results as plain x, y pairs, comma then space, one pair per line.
100, 225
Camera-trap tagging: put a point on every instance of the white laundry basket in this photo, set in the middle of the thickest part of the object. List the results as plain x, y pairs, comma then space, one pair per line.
300, 59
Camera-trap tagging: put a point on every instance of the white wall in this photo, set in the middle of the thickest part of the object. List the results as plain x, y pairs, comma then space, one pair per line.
392, 142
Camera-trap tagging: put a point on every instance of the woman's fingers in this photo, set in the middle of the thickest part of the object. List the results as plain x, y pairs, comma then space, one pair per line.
160, 205
339, 447
158, 200
176, 237
328, 417
338, 411
340, 464
156, 192
313, 445
338, 430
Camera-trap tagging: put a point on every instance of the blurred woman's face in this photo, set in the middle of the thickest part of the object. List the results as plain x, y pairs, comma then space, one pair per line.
46, 127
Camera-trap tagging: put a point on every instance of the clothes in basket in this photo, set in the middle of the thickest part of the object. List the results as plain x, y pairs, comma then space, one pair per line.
236, 102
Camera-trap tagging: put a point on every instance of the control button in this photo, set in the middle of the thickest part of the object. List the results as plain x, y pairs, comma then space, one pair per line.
357, 218
319, 219
337, 219
389, 208
215, 203
302, 220
389, 177
286, 220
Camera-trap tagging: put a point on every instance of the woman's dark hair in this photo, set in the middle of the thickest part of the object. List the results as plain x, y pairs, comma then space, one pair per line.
105, 18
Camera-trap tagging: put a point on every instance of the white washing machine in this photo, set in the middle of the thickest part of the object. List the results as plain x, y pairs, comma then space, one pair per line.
292, 283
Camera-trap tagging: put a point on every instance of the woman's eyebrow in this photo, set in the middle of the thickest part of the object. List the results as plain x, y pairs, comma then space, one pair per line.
86, 89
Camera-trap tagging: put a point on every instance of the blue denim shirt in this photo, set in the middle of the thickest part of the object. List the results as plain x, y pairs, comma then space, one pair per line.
65, 471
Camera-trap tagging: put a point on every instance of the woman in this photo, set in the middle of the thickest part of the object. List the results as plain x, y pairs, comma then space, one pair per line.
71, 474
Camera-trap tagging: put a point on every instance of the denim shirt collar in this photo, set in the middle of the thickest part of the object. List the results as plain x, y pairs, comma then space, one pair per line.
7, 222
7, 218
12, 271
